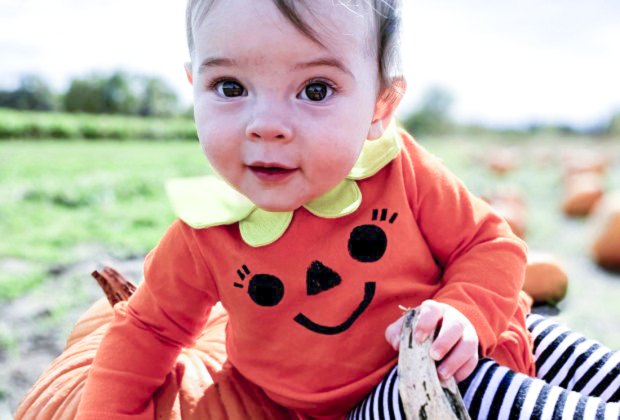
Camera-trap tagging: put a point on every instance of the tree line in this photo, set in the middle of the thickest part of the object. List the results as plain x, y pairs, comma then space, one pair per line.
433, 117
116, 93
122, 93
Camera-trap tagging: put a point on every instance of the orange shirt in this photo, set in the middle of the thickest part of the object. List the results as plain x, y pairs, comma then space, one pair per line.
308, 312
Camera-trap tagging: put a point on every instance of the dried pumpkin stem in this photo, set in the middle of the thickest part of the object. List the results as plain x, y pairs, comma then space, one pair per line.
115, 286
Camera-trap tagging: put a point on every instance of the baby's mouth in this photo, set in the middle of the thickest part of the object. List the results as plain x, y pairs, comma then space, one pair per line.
271, 172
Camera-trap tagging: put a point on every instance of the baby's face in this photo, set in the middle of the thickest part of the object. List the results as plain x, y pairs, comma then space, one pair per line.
280, 117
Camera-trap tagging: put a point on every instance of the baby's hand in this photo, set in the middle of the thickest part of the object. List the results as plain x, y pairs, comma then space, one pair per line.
456, 344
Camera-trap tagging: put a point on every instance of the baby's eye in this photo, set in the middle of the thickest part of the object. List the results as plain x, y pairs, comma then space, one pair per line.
229, 88
316, 91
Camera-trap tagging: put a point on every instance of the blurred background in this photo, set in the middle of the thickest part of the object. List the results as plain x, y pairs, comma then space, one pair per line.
521, 100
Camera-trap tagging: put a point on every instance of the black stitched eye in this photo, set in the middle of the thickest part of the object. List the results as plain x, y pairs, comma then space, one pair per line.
230, 89
266, 290
367, 243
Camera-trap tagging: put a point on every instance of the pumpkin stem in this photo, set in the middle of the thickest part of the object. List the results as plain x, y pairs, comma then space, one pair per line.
115, 286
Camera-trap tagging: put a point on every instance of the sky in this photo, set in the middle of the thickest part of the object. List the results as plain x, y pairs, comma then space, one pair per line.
505, 63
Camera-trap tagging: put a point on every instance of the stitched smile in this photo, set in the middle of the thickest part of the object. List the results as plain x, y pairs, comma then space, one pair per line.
369, 294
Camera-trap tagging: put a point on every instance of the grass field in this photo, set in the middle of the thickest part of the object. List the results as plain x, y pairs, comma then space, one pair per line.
56, 198
31, 125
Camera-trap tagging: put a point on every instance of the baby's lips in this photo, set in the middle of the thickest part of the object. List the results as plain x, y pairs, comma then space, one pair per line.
271, 165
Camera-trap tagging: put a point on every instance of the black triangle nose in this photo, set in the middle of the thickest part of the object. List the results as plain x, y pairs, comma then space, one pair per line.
320, 278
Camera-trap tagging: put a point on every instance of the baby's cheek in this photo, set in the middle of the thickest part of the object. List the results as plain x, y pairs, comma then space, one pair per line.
343, 156
222, 155
333, 167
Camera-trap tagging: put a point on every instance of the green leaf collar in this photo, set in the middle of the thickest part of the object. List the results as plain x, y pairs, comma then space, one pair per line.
209, 201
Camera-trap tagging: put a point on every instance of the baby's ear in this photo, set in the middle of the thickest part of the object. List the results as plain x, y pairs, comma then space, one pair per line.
386, 106
188, 72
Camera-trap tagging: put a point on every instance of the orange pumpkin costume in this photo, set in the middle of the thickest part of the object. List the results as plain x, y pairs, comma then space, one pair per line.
307, 313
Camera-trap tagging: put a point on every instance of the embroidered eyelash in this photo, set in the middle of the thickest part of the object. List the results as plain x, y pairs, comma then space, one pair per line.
384, 212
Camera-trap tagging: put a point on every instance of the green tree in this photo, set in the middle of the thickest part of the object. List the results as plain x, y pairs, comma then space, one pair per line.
157, 98
120, 94
613, 128
84, 95
433, 116
33, 93
113, 94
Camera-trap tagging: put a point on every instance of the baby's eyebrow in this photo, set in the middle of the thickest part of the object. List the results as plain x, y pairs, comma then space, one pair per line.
210, 62
216, 62
328, 61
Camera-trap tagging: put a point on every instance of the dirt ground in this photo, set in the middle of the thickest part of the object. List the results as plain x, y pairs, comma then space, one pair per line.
37, 324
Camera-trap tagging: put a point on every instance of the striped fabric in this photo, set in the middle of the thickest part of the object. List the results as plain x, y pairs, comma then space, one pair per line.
577, 378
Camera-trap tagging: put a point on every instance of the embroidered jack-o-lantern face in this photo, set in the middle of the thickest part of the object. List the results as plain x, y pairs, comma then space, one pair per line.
367, 244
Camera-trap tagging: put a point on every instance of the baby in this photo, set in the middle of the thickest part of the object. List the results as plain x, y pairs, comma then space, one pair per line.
323, 220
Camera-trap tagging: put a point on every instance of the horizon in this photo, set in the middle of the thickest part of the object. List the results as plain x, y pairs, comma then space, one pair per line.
506, 65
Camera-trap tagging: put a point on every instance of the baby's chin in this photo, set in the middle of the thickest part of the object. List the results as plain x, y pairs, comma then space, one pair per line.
278, 202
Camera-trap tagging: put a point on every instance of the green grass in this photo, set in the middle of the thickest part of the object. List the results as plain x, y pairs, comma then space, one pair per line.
8, 342
58, 196
13, 285
58, 125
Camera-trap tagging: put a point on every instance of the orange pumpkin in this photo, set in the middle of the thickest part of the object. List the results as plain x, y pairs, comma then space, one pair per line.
509, 203
606, 222
201, 385
546, 280
503, 161
581, 193
584, 161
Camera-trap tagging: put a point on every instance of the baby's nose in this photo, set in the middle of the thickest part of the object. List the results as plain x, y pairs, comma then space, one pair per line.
270, 124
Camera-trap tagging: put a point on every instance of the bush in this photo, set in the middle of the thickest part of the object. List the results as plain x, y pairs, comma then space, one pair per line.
121, 93
613, 129
97, 94
433, 116
33, 93
39, 125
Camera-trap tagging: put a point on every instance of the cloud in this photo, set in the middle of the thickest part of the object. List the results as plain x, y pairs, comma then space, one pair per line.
509, 62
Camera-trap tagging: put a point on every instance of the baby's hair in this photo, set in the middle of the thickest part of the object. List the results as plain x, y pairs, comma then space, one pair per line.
387, 20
